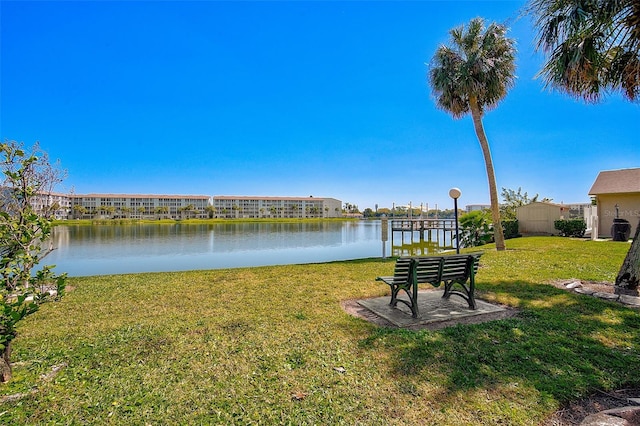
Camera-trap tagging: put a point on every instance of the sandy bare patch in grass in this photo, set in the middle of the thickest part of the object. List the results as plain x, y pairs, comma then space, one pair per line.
597, 286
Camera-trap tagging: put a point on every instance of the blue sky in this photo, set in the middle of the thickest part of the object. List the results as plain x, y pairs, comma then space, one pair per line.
288, 98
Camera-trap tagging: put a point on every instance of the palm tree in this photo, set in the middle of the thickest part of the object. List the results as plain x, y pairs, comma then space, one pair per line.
79, 210
594, 47
188, 209
126, 211
103, 211
110, 211
591, 46
473, 75
162, 211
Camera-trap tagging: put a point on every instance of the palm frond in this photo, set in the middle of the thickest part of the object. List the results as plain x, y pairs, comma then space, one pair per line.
479, 62
591, 46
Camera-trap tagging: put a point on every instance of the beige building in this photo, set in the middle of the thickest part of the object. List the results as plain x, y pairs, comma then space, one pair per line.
58, 204
539, 218
111, 206
138, 206
476, 207
617, 194
237, 207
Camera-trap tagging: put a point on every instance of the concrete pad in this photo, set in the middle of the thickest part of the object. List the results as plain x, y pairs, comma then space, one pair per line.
432, 309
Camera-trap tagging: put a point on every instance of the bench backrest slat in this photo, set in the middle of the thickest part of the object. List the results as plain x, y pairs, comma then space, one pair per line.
402, 268
435, 269
455, 268
427, 269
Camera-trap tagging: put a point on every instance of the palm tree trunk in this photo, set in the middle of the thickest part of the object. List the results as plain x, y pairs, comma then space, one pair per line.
628, 278
488, 162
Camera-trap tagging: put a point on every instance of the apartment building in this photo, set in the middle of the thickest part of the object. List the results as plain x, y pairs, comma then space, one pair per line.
114, 206
476, 207
247, 207
138, 206
50, 205
58, 204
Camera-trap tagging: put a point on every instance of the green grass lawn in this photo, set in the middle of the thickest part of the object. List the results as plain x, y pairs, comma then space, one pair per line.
271, 345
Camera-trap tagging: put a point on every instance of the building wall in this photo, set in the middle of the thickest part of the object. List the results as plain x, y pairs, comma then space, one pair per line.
241, 207
109, 206
538, 218
628, 208
477, 207
60, 203
115, 206
332, 207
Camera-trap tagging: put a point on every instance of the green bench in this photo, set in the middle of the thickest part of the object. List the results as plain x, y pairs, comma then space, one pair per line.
452, 270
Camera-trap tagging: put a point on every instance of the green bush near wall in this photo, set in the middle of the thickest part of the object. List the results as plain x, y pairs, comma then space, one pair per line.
571, 227
510, 228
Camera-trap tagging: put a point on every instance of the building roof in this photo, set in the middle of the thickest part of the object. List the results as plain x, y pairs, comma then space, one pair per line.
616, 182
203, 197
544, 203
263, 198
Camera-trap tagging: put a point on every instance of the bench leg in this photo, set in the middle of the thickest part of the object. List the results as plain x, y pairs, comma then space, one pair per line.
394, 295
467, 293
411, 304
414, 299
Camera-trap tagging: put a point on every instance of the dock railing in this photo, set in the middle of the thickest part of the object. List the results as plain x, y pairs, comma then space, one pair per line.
439, 231
419, 225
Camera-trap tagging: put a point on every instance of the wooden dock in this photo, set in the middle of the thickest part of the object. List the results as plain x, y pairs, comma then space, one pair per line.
426, 229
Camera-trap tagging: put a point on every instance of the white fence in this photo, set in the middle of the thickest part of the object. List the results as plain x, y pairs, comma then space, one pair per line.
591, 219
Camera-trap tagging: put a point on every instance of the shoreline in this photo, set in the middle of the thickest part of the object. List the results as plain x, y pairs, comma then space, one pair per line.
124, 221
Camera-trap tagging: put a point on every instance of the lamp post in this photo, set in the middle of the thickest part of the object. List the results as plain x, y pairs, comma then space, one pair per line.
455, 193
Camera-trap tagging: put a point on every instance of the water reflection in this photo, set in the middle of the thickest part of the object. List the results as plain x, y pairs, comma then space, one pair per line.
115, 249
410, 244
111, 249
419, 248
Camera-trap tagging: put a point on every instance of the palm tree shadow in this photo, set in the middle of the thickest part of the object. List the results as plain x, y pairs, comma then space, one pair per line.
561, 343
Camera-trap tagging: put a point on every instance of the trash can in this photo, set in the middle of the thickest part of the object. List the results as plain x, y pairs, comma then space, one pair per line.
620, 230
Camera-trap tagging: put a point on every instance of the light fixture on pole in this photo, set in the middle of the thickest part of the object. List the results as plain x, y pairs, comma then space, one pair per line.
455, 193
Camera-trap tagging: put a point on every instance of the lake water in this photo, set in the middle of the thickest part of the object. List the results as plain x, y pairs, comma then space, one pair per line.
118, 249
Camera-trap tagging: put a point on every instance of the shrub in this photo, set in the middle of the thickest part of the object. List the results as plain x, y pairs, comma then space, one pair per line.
571, 227
476, 228
510, 228
28, 179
